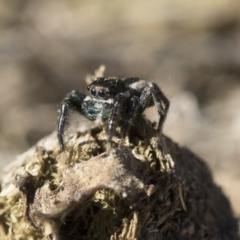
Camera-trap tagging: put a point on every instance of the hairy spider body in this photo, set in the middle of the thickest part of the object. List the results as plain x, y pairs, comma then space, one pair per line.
114, 100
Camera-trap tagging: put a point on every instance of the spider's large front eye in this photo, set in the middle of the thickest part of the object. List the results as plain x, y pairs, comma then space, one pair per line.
93, 91
101, 93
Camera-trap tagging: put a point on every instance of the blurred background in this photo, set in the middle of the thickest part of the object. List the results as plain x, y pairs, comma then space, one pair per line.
191, 49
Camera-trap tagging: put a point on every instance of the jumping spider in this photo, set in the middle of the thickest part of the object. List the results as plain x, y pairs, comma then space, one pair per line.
114, 100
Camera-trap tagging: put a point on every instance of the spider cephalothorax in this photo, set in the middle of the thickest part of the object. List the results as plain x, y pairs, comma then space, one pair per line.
114, 100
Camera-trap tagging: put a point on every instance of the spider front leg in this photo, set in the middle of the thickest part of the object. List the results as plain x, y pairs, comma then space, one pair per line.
74, 102
162, 104
132, 112
117, 111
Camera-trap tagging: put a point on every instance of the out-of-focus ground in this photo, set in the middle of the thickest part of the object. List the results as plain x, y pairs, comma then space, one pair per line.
191, 49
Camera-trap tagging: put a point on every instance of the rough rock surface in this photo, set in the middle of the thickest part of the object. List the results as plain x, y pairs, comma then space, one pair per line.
133, 193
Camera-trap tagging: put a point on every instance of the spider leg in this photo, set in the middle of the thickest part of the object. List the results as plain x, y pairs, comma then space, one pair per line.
162, 104
74, 102
132, 112
160, 101
117, 110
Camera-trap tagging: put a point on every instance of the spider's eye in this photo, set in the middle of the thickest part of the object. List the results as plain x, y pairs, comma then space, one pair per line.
101, 93
88, 87
93, 91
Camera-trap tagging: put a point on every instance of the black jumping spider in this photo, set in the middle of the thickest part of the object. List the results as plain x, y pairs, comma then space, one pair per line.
114, 100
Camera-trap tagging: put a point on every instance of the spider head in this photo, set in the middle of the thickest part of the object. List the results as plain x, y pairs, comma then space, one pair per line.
105, 88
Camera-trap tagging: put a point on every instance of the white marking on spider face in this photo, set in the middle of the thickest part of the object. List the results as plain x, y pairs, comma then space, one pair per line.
87, 99
109, 101
97, 100
138, 85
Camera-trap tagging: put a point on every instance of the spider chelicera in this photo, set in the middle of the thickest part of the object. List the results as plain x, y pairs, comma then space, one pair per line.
116, 101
